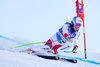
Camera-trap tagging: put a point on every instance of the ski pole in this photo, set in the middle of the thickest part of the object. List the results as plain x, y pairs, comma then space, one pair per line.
37, 43
68, 51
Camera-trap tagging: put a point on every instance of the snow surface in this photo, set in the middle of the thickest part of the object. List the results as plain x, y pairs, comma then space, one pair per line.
24, 18
13, 58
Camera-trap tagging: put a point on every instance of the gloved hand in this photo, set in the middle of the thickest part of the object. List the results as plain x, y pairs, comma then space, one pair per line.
70, 39
75, 49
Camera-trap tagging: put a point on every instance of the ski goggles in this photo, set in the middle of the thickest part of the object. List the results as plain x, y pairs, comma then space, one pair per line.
77, 25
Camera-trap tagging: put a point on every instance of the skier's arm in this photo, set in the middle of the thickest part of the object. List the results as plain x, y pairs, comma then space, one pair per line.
65, 30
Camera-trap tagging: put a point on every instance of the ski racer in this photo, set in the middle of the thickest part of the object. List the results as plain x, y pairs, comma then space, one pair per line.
66, 36
65, 39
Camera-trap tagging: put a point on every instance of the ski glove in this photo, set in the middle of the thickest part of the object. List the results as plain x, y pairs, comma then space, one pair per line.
75, 49
70, 39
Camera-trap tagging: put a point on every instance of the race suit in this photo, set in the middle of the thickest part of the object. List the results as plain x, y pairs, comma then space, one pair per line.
64, 39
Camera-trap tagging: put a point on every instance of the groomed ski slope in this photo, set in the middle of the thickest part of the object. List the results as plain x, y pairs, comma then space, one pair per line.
13, 58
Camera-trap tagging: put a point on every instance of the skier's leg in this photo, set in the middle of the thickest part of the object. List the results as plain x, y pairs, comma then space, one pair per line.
65, 47
55, 48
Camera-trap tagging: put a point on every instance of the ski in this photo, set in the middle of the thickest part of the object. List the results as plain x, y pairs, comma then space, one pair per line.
57, 58
50, 57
